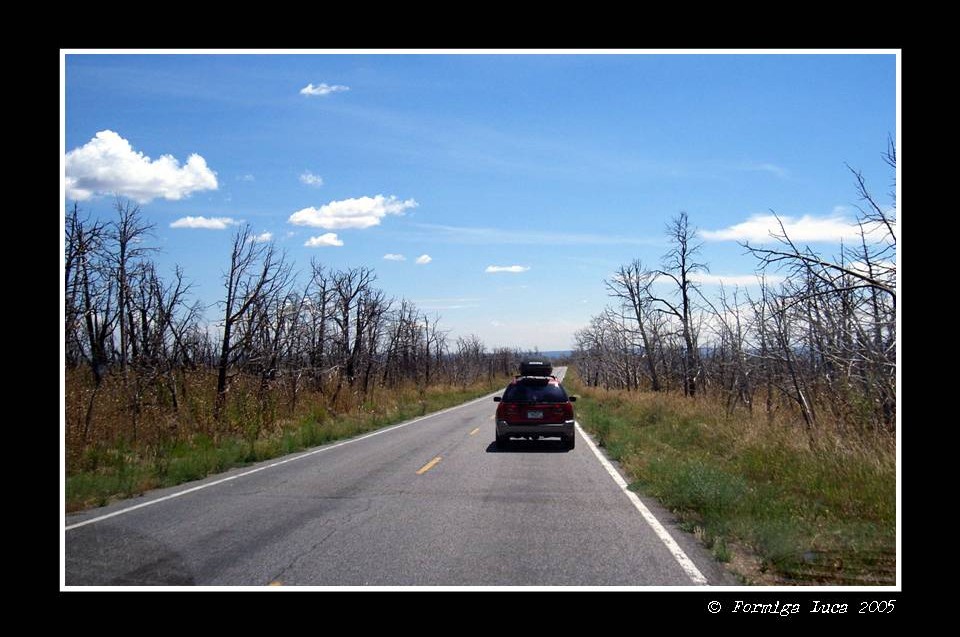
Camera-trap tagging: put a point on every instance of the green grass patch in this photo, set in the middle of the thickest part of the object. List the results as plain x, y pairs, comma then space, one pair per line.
106, 473
821, 513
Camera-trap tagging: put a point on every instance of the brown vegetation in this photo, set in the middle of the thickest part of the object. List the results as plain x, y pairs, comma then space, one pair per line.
145, 371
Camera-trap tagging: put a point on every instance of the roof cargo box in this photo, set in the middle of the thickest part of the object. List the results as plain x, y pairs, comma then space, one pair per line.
536, 367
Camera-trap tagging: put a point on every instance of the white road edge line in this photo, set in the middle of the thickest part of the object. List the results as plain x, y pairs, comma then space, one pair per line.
273, 464
685, 562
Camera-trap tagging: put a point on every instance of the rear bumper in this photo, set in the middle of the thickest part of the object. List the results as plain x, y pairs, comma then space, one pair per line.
546, 430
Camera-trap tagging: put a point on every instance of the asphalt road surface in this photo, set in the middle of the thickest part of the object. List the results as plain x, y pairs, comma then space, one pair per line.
430, 502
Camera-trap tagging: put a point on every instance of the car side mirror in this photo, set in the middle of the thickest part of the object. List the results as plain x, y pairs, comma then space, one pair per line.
496, 399
573, 399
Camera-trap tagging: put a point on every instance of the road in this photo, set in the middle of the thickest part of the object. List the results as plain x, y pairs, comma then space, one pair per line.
430, 502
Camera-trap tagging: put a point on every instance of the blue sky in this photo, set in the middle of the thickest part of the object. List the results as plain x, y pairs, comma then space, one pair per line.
565, 166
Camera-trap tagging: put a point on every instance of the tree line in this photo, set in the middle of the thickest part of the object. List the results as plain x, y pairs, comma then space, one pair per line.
277, 336
822, 342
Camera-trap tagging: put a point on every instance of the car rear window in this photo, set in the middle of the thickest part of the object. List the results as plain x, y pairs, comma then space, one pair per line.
530, 393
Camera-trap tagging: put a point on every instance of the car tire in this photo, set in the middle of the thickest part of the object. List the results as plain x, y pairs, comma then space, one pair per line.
503, 442
571, 442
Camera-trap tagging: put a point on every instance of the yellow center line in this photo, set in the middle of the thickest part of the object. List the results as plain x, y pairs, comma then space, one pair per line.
276, 583
430, 465
475, 431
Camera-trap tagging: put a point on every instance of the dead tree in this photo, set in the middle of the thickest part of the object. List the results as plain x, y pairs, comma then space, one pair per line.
256, 272
403, 343
348, 287
88, 294
469, 357
678, 266
848, 304
127, 234
631, 285
372, 310
317, 305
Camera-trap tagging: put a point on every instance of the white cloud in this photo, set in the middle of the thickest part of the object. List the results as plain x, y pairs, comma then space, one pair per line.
205, 223
322, 89
308, 178
496, 323
734, 279
758, 229
248, 177
263, 237
327, 240
424, 259
515, 269
394, 257
362, 212
108, 164
767, 167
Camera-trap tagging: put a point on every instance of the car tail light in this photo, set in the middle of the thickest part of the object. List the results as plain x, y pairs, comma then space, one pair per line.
506, 411
568, 411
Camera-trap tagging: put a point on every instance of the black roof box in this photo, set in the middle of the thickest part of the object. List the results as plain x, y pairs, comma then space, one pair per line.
536, 367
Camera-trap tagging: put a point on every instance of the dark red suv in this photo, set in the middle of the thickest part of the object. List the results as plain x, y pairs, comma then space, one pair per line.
535, 407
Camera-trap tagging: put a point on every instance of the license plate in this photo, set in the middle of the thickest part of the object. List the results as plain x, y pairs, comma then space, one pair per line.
534, 414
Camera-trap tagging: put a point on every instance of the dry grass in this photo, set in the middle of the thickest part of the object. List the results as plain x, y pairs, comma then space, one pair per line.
135, 439
799, 506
